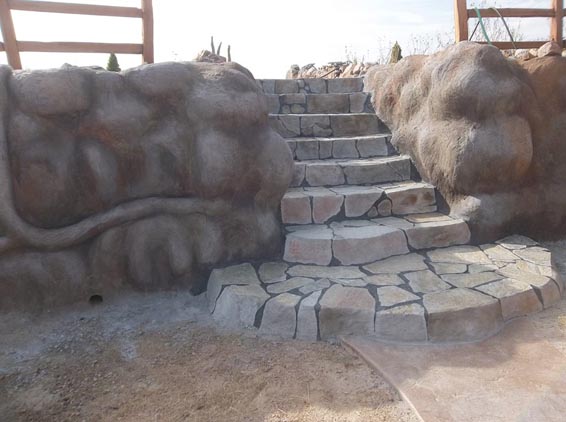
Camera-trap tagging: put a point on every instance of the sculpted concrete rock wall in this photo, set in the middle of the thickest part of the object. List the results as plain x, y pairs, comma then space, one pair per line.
144, 178
489, 132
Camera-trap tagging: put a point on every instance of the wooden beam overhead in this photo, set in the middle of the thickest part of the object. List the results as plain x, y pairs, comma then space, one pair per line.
79, 47
9, 36
513, 13
147, 32
74, 8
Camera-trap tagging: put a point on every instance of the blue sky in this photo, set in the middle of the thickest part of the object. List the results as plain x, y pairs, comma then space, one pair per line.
266, 36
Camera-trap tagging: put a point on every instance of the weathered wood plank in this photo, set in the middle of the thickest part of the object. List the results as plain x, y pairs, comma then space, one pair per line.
9, 35
75, 8
79, 47
508, 45
461, 20
557, 23
512, 13
148, 53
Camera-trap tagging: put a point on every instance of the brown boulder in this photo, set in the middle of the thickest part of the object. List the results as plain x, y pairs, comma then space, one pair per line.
486, 130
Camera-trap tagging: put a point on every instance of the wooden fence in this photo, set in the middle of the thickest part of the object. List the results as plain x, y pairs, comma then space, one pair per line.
13, 47
556, 13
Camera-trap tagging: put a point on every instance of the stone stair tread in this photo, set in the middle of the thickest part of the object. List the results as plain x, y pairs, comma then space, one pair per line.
403, 298
326, 124
306, 205
315, 115
351, 171
318, 103
354, 242
355, 161
338, 138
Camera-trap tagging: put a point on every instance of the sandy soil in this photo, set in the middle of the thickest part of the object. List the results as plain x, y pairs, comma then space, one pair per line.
158, 358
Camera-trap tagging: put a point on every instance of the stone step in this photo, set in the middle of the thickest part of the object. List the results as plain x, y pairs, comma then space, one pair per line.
321, 205
355, 242
357, 102
348, 147
454, 294
335, 172
326, 125
312, 86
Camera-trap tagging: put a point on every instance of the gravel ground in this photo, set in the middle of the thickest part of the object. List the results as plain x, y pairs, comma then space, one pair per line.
158, 357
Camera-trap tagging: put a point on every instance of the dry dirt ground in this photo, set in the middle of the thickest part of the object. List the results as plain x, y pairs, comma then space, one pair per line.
157, 357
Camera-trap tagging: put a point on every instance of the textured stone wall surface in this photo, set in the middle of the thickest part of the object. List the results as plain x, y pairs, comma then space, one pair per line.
145, 178
488, 131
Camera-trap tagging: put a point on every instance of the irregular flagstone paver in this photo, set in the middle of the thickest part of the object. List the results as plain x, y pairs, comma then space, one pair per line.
517, 297
346, 310
536, 255
307, 323
242, 274
404, 323
237, 306
325, 205
483, 268
296, 208
280, 316
384, 280
356, 282
398, 264
273, 272
287, 285
412, 199
360, 245
359, 199
315, 286
426, 282
437, 234
547, 287
459, 255
325, 272
309, 246
391, 296
461, 315
440, 268
516, 242
498, 253
471, 280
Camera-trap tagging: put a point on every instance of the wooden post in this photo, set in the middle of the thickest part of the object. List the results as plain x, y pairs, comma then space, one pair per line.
556, 31
9, 34
461, 19
147, 19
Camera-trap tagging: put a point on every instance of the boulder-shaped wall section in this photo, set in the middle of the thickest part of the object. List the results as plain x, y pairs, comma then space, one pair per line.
144, 178
487, 131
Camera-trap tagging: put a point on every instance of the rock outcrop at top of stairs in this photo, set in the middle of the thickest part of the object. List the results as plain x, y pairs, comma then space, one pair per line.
487, 131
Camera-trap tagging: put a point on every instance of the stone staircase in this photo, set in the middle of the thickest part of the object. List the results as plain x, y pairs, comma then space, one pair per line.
366, 250
352, 200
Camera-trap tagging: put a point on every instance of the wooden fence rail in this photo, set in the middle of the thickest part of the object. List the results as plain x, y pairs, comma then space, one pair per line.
13, 47
556, 13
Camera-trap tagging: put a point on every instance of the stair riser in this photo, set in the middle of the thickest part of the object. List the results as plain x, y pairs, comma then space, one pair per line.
304, 207
315, 149
354, 246
336, 174
333, 125
311, 86
358, 102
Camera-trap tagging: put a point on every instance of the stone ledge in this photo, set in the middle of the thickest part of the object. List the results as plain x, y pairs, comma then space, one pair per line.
336, 172
321, 205
412, 298
354, 242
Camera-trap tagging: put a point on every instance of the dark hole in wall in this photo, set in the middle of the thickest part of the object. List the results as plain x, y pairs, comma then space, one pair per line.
95, 299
